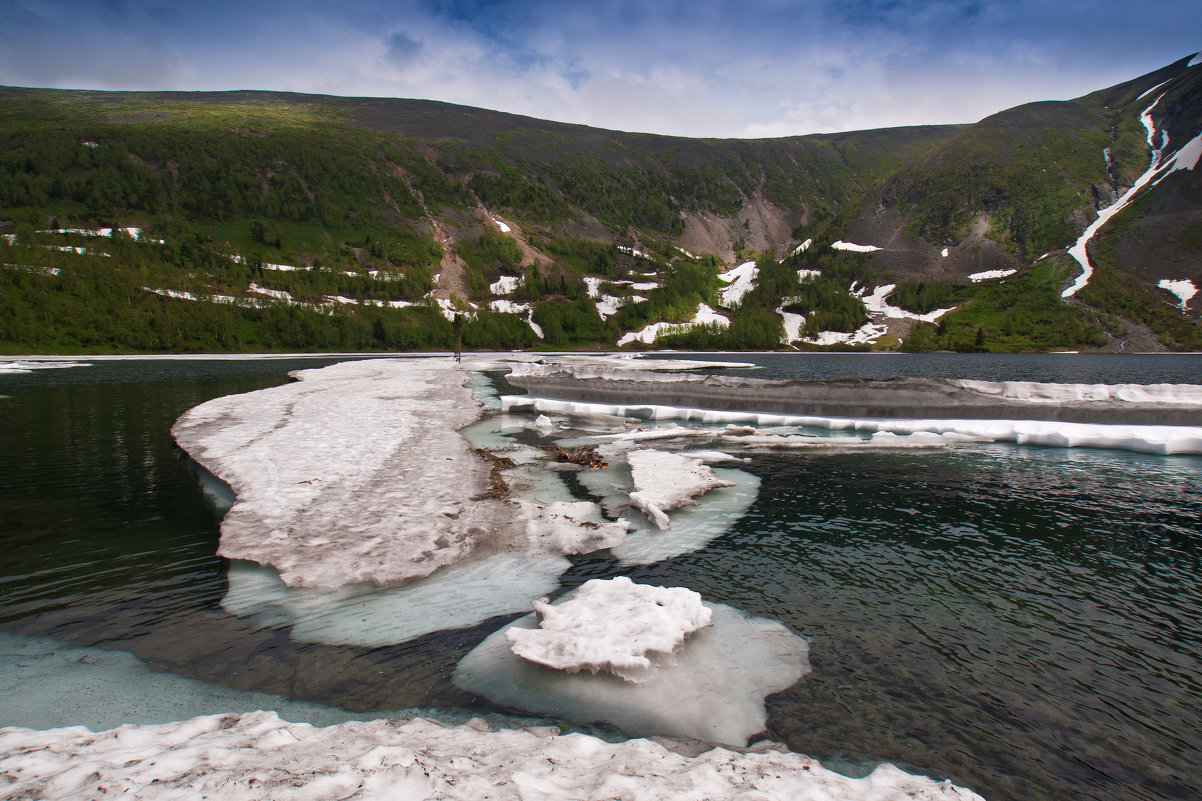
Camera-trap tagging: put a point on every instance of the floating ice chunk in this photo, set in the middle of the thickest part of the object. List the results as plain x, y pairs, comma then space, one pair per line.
570, 527
693, 527
611, 625
1183, 289
505, 285
343, 477
712, 689
841, 245
257, 755
29, 365
740, 280
664, 481
363, 615
988, 275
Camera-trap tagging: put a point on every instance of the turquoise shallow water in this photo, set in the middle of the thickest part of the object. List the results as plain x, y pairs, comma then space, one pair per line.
1023, 620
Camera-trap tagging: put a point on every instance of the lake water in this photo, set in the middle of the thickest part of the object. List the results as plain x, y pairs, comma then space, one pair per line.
1025, 621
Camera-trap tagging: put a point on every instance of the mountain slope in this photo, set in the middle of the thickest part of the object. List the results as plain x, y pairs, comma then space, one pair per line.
281, 221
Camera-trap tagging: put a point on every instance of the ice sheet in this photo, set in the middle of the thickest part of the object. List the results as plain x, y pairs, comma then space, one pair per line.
352, 474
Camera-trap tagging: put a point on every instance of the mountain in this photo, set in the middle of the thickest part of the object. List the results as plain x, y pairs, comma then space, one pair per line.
171, 221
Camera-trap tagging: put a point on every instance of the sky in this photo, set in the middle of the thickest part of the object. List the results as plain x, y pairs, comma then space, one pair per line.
720, 68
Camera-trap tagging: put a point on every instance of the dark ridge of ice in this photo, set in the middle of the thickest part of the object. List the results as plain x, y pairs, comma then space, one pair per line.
895, 398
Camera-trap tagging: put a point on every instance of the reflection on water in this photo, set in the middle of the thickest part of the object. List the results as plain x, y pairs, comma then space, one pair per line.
1026, 621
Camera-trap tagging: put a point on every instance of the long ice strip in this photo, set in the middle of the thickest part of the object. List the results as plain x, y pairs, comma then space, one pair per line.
664, 481
611, 625
259, 756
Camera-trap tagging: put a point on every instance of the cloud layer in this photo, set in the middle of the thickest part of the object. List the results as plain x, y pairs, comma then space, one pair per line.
698, 68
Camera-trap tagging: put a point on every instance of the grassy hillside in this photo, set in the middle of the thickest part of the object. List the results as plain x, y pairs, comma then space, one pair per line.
275, 221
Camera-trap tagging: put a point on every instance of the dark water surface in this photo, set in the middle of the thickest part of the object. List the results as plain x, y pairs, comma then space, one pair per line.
1026, 621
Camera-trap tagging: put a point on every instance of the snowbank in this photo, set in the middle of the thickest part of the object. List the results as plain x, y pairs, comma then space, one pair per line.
989, 275
259, 756
740, 280
664, 481
611, 625
505, 285
1183, 289
853, 248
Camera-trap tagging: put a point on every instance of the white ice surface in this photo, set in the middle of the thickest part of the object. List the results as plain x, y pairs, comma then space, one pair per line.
712, 688
740, 280
611, 625
504, 228
257, 756
352, 474
664, 481
841, 245
1184, 289
990, 274
455, 597
29, 365
1140, 438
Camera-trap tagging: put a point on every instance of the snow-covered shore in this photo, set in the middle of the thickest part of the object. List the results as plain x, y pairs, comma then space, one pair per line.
258, 756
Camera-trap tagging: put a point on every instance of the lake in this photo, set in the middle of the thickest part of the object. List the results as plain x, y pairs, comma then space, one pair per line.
1026, 621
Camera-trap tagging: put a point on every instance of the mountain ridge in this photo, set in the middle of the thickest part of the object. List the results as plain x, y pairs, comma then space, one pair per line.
446, 200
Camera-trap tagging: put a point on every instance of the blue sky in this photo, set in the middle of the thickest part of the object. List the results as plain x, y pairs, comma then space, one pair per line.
699, 68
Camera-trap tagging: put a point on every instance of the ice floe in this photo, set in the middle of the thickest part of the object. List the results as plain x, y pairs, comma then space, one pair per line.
1184, 289
989, 275
259, 756
29, 365
352, 474
1162, 439
664, 481
712, 687
611, 625
740, 280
